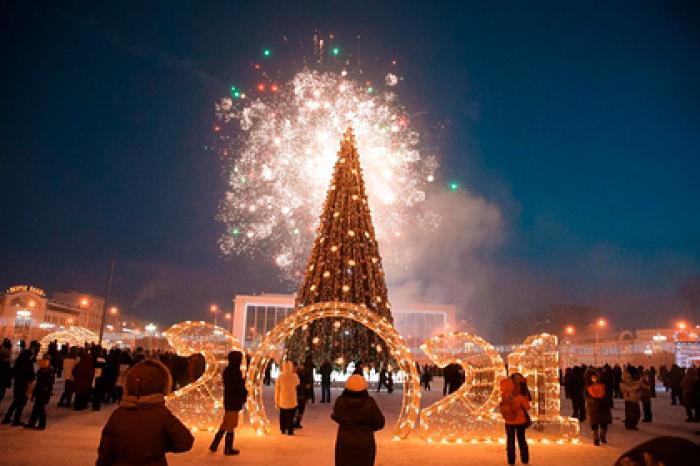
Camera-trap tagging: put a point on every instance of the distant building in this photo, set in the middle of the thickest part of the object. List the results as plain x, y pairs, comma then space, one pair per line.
645, 347
255, 315
27, 313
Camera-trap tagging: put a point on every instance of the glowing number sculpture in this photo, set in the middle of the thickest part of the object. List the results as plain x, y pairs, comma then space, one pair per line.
537, 359
72, 336
467, 414
199, 405
304, 316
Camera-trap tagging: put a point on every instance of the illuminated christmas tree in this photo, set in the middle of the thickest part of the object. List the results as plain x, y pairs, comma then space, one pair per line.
344, 266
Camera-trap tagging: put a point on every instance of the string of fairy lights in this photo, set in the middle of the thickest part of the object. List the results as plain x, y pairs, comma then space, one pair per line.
468, 412
537, 359
301, 319
199, 405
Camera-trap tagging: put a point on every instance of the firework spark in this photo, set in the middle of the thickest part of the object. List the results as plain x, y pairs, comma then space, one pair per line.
282, 158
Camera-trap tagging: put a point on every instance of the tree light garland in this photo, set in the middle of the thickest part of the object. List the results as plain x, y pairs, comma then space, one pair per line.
468, 412
303, 316
199, 405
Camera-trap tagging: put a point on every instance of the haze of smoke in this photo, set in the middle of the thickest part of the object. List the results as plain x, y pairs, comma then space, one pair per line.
447, 264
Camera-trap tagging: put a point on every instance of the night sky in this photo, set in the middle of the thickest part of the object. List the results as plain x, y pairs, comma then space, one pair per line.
578, 121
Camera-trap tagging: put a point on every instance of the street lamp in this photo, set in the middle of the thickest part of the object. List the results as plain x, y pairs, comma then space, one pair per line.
682, 325
569, 330
214, 309
228, 317
600, 324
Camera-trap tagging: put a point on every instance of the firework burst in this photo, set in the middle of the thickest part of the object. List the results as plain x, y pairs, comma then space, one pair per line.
281, 147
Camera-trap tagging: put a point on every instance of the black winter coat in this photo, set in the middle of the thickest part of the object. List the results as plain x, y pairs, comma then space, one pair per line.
22, 373
598, 410
358, 417
83, 373
326, 370
235, 392
44, 385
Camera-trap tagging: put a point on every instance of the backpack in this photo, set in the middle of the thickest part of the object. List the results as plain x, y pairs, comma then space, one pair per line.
508, 411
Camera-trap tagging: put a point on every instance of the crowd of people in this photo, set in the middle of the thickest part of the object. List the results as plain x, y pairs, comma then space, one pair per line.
139, 383
635, 385
92, 376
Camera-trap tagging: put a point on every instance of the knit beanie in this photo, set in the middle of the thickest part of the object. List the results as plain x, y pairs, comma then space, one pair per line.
148, 377
356, 383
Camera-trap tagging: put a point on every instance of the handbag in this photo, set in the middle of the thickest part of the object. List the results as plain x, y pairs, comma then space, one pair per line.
528, 420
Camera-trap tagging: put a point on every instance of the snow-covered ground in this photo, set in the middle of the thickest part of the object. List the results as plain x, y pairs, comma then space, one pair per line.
71, 439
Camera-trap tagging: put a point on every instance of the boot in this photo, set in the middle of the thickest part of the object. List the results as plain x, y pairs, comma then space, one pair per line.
596, 438
228, 445
603, 436
217, 440
297, 422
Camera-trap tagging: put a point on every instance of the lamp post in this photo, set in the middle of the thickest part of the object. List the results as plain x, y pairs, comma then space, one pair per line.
151, 329
569, 331
214, 309
600, 324
228, 317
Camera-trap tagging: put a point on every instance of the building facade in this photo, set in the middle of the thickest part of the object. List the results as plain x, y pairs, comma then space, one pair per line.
27, 313
255, 315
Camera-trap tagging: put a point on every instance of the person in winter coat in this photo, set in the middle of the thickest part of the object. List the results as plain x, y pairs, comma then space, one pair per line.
235, 395
267, 378
68, 383
23, 375
142, 430
575, 389
426, 377
83, 375
5, 367
652, 380
358, 417
514, 409
598, 409
645, 384
121, 377
617, 379
630, 393
385, 380
308, 379
326, 370
41, 395
676, 375
286, 396
98, 384
688, 398
302, 396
